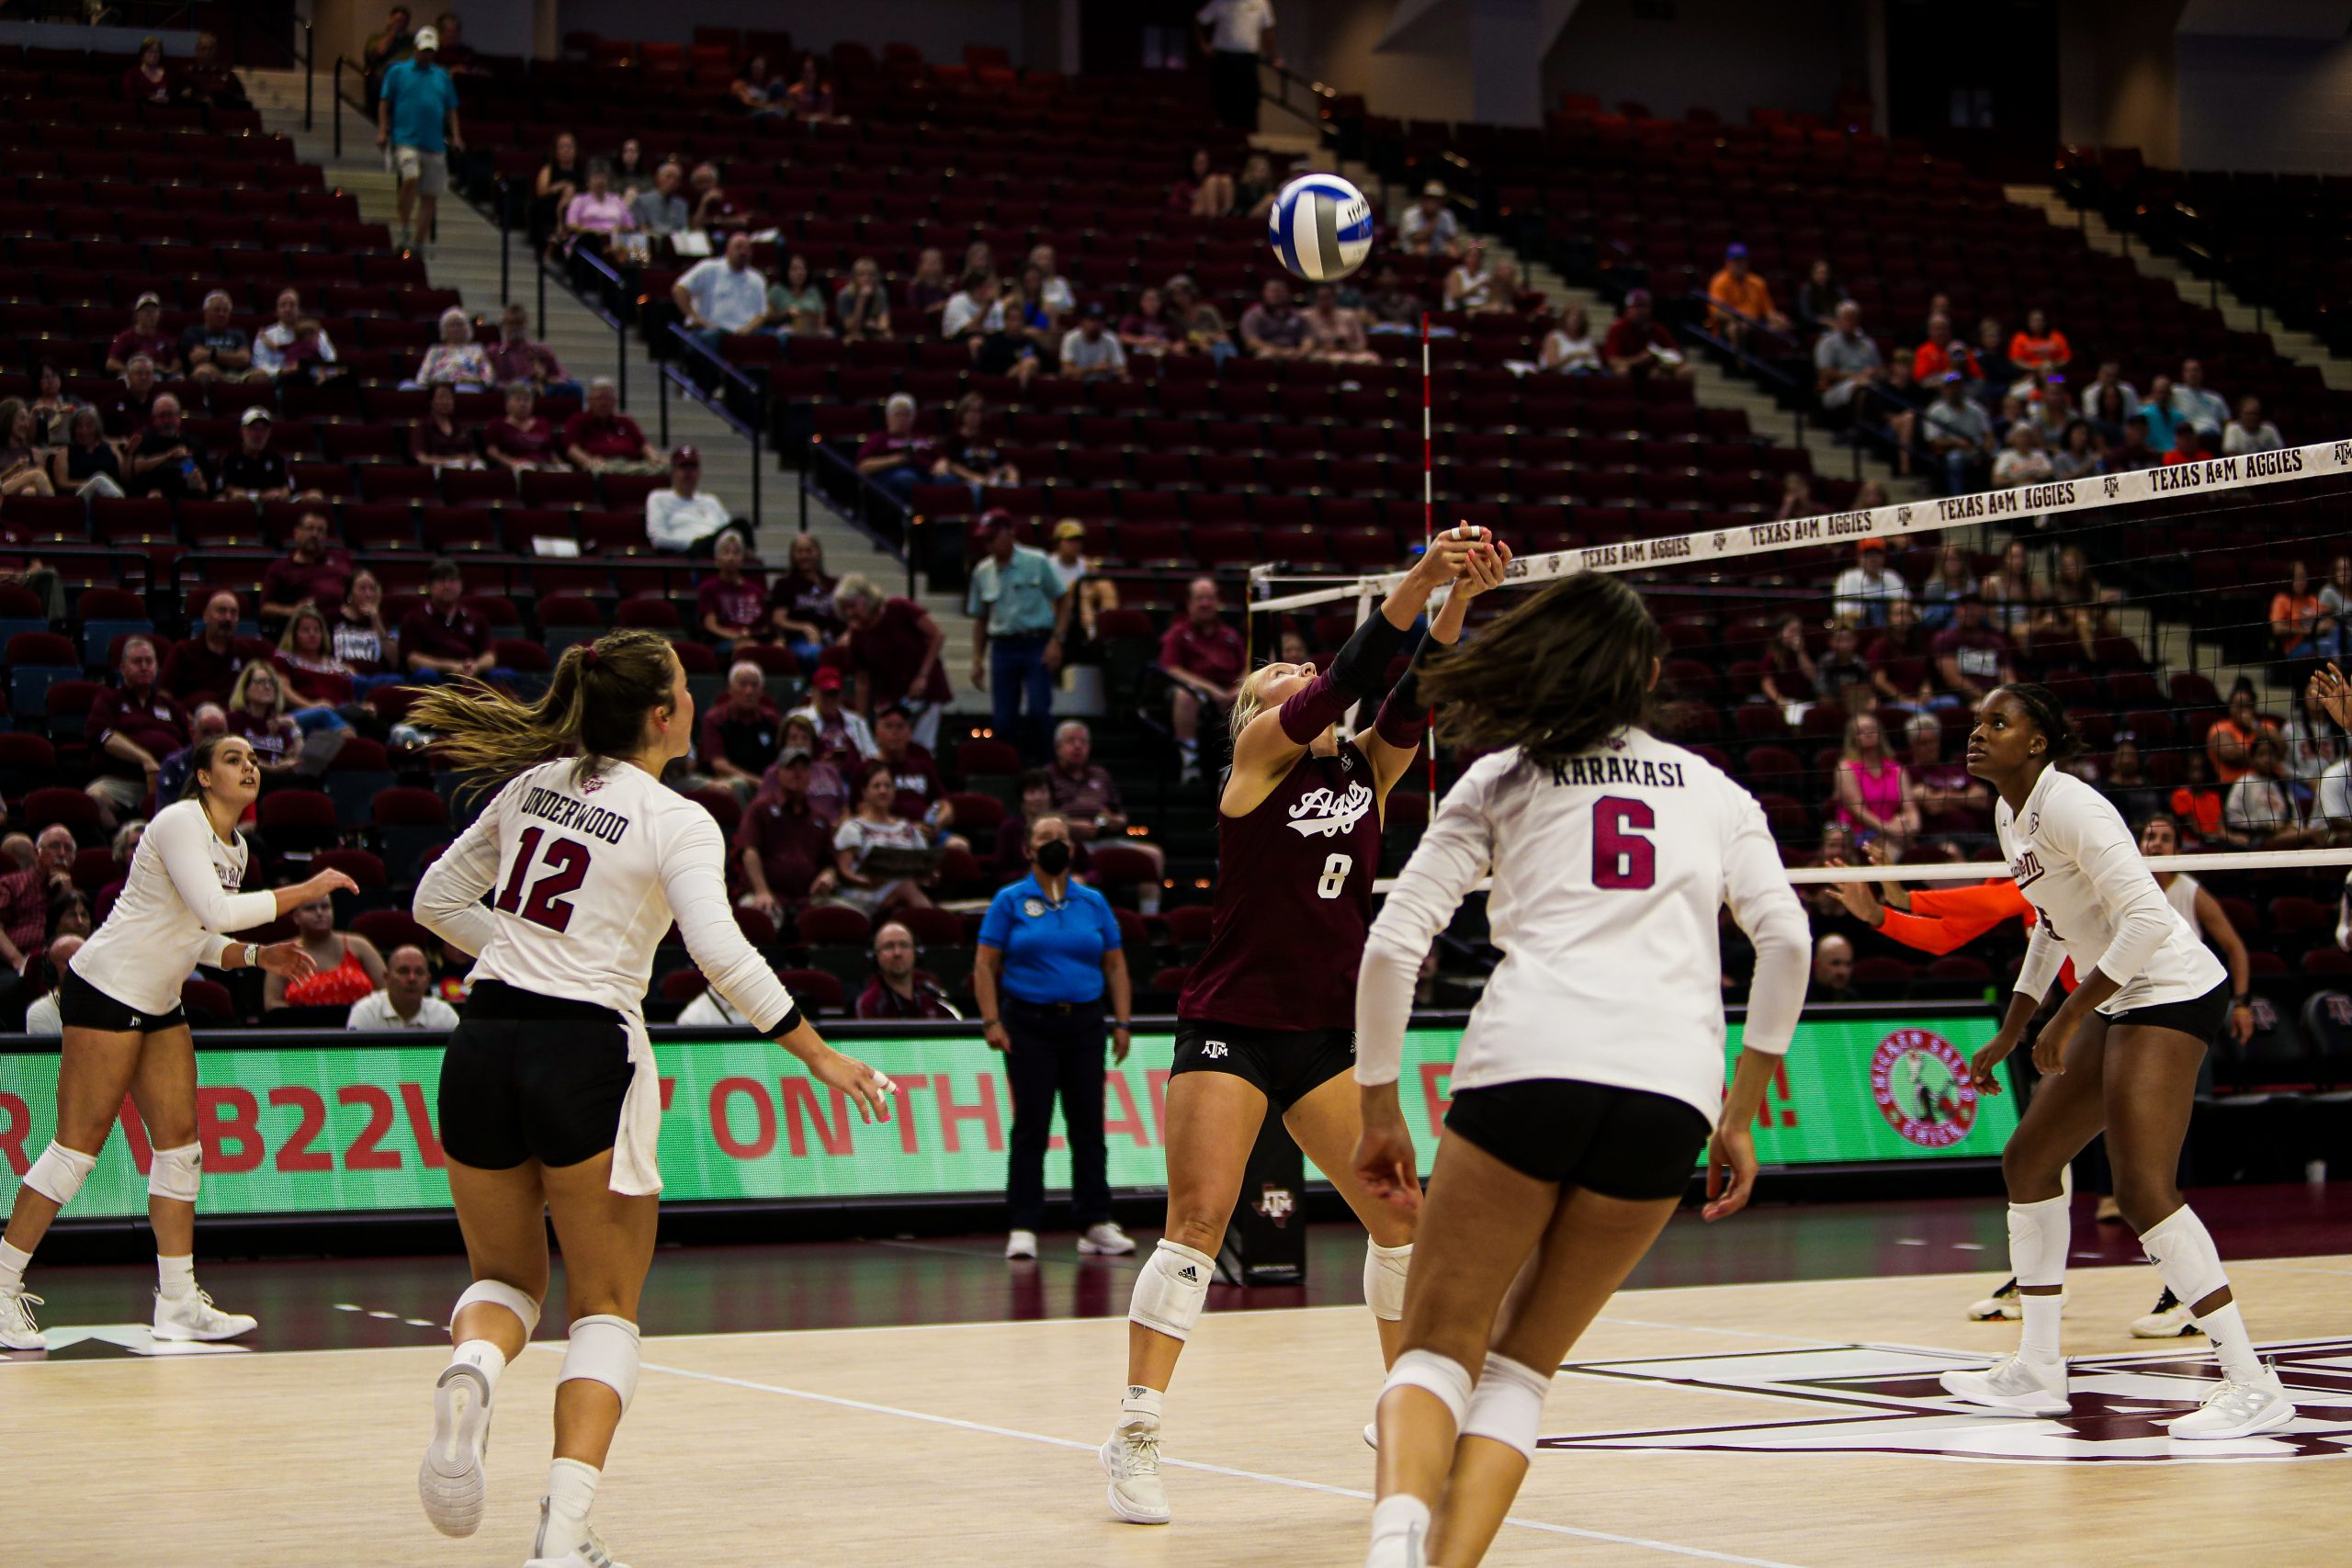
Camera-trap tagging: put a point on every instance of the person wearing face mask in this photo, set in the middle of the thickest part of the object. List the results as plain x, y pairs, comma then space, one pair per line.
1049, 956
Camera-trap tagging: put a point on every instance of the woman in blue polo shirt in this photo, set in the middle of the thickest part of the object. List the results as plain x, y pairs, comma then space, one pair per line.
1049, 949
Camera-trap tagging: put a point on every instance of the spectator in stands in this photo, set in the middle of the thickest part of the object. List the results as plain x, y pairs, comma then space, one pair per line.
601, 439
1900, 660
126, 409
558, 180
2001, 373
794, 305
313, 573
457, 358
27, 895
898, 989
406, 1002
663, 210
347, 969
1254, 192
214, 349
257, 709
1570, 346
1954, 579
2264, 809
1084, 795
1203, 192
862, 306
2191, 445
271, 343
1899, 402
1958, 431
1971, 657
756, 90
921, 797
1090, 351
739, 733
2127, 785
1502, 295
1876, 797
2196, 405
784, 845
1429, 227
443, 638
1391, 308
2109, 400
204, 667
1204, 661
1273, 328
166, 459
416, 126
52, 406
88, 464
1335, 333
170, 778
1736, 288
2078, 457
1010, 862
2039, 348
132, 726
2312, 742
1833, 971
1091, 593
2022, 461
844, 738
2161, 414
2299, 626
1817, 297
1234, 34
315, 677
393, 43
522, 438
897, 457
24, 464
1839, 672
147, 81
828, 791
723, 295
892, 648
686, 519
1028, 319
1942, 788
438, 441
975, 316
715, 212
1053, 291
730, 606
1942, 355
1468, 285
927, 290
1846, 360
2336, 594
1020, 615
1203, 322
872, 825
457, 56
2014, 602
801, 601
595, 214
1638, 346
2249, 432
1789, 676
254, 471
1149, 328
145, 335
810, 97
2133, 451
1863, 590
1796, 496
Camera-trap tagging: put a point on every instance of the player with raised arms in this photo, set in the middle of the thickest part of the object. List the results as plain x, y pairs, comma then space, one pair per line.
549, 1101
2164, 997
126, 1032
1267, 1016
1592, 1068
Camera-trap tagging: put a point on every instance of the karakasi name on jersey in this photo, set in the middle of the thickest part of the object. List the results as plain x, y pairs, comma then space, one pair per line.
1326, 813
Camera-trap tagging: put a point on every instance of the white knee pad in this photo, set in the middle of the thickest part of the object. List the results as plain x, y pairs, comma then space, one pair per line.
1441, 1375
2038, 1240
602, 1349
59, 1173
1171, 1289
1508, 1404
176, 1173
1384, 1279
499, 1294
2182, 1251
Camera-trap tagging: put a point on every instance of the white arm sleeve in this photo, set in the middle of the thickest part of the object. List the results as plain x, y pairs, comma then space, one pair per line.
2043, 958
693, 878
448, 900
179, 839
1765, 906
1452, 856
2105, 854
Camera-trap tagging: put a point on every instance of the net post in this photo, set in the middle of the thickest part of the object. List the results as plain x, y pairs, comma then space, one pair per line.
1428, 467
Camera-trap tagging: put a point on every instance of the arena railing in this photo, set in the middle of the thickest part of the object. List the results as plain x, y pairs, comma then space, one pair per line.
873, 511
1300, 97
731, 382
1792, 393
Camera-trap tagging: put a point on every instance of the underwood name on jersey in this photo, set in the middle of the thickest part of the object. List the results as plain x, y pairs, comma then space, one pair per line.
1324, 812
1611, 770
576, 815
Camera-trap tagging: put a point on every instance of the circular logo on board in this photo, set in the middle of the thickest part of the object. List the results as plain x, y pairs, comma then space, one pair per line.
1923, 1089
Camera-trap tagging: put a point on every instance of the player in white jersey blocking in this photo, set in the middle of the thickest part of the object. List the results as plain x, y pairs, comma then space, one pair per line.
1592, 1068
125, 1034
549, 1101
2164, 997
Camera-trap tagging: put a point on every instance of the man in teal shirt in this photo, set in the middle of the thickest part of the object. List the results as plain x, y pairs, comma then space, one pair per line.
1019, 612
416, 124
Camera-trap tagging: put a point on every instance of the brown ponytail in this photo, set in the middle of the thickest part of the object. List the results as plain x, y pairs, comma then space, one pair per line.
596, 705
1556, 676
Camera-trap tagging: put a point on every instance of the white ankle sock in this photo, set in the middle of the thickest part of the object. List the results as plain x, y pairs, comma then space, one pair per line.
1140, 1407
571, 1493
485, 1356
1400, 1515
2042, 1315
12, 1266
2227, 1331
175, 1276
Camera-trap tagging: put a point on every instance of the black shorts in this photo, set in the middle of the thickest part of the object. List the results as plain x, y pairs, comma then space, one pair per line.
2200, 1016
526, 1077
1619, 1143
1287, 1065
80, 1005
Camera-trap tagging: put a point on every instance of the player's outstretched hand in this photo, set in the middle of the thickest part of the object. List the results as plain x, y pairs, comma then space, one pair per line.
1484, 570
288, 961
1731, 1169
1442, 560
1861, 898
870, 1088
2334, 693
1385, 1160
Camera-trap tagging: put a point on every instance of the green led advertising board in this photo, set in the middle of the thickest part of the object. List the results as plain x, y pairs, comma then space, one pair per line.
346, 1125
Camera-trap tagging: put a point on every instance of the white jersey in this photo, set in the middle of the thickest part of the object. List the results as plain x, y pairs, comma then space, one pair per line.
587, 875
2096, 901
1610, 874
177, 901
2182, 897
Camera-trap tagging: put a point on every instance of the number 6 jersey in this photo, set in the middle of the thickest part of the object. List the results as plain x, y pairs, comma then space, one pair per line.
1294, 896
586, 875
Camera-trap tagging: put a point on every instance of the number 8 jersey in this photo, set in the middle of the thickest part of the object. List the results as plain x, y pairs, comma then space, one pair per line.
1294, 900
586, 875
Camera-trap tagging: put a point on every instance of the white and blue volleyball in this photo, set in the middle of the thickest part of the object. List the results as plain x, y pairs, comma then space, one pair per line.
1321, 228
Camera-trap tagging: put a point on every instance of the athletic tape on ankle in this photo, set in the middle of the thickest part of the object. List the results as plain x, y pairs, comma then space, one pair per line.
1441, 1375
1507, 1406
498, 1293
59, 1173
1170, 1288
602, 1349
1384, 1279
2182, 1251
176, 1173
2038, 1236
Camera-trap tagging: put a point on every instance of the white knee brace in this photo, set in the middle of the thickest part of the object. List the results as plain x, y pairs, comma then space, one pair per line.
1171, 1289
604, 1349
176, 1173
59, 1173
498, 1293
1441, 1375
1384, 1279
2038, 1241
1507, 1406
2185, 1258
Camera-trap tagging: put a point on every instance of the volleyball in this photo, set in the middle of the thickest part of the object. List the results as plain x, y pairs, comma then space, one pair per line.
1321, 228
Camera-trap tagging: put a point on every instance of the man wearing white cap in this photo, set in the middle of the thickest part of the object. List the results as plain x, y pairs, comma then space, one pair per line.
1428, 226
416, 124
254, 472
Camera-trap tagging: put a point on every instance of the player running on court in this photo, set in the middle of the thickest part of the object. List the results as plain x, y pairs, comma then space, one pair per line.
1267, 1016
125, 1034
1592, 1068
549, 1103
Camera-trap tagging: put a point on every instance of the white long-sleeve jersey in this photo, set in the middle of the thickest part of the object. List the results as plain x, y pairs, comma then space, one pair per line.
588, 872
1608, 876
174, 905
2096, 901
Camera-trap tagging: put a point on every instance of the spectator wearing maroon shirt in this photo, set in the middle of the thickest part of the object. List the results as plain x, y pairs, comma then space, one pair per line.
898, 989
920, 796
1638, 346
125, 411
204, 667
1943, 786
27, 896
601, 439
145, 335
733, 606
521, 438
1971, 657
740, 732
1085, 795
441, 638
1902, 668
1203, 658
893, 654
897, 457
148, 82
785, 849
134, 727
313, 573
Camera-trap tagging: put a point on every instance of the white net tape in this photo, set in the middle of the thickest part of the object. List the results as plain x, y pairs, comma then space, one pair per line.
1985, 871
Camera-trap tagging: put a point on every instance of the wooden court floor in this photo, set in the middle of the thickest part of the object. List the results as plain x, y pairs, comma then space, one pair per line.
1768, 1424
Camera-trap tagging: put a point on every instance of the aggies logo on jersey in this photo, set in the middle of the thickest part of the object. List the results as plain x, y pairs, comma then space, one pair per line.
1326, 812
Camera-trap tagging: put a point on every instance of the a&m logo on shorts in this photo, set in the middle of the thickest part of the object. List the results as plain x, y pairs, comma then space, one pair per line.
1922, 1086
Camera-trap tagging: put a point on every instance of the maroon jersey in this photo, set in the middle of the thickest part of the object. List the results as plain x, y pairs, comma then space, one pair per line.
1294, 901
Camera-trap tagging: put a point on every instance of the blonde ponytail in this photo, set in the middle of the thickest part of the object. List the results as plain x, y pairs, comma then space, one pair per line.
596, 705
